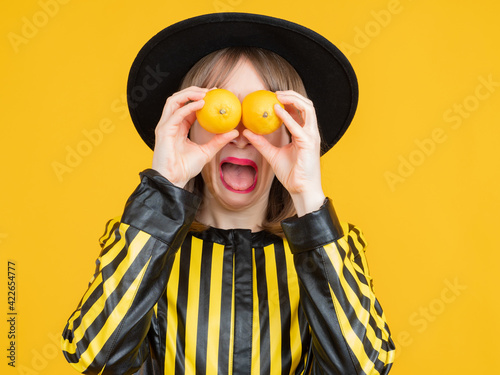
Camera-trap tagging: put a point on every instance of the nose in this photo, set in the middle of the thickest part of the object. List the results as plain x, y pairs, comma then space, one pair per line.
240, 141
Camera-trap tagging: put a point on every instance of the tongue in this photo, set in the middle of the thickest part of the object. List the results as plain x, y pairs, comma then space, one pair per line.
238, 177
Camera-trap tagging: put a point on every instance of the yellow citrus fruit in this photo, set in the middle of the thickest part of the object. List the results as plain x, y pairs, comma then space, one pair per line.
221, 111
257, 112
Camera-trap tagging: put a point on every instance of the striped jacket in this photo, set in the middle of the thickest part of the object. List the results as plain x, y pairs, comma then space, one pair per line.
165, 300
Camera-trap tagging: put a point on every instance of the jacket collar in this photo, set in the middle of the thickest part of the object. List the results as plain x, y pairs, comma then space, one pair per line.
228, 236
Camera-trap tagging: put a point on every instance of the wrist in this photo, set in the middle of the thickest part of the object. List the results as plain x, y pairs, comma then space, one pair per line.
170, 176
307, 202
313, 230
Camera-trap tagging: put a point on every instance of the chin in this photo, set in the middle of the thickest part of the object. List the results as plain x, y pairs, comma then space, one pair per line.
235, 201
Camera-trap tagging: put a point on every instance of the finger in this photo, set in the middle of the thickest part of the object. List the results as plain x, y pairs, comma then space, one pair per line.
293, 127
294, 94
303, 105
295, 113
186, 115
181, 98
296, 100
186, 95
190, 91
217, 142
262, 145
295, 105
180, 121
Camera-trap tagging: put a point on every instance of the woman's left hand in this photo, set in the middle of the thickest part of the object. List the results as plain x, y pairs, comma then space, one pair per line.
296, 165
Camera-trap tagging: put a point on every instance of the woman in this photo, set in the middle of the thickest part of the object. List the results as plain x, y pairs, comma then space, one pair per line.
208, 271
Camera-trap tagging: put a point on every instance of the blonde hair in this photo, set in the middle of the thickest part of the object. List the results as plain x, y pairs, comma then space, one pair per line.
277, 74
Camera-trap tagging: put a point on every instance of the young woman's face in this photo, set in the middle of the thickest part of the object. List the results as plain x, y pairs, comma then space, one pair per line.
238, 176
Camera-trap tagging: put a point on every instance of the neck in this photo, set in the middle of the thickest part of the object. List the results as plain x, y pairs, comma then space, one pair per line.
217, 215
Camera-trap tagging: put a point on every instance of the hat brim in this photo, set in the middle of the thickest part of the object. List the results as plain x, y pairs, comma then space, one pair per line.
163, 61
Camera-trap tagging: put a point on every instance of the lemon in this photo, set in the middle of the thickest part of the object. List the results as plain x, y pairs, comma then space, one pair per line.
221, 111
258, 112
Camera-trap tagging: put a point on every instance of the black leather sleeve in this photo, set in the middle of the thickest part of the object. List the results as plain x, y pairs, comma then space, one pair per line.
107, 332
347, 324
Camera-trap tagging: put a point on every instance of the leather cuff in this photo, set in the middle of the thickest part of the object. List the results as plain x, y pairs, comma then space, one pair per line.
160, 208
313, 230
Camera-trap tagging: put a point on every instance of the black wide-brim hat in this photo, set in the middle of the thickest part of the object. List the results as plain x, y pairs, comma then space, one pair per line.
163, 61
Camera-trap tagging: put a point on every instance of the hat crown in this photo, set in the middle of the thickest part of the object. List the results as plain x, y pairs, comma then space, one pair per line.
163, 61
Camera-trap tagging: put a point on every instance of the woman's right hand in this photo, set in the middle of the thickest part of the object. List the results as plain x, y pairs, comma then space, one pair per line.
176, 157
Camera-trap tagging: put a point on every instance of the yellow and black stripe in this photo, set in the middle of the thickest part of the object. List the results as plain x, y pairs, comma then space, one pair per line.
227, 310
226, 301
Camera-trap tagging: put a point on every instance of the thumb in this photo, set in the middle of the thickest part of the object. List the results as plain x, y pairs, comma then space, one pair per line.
217, 142
262, 145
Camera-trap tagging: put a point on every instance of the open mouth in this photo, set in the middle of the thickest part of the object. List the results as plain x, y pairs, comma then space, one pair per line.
238, 175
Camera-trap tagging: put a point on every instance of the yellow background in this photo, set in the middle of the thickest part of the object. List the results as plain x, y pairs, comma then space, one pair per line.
418, 170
